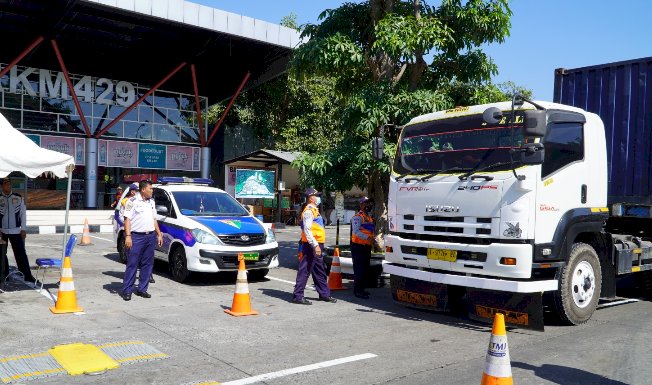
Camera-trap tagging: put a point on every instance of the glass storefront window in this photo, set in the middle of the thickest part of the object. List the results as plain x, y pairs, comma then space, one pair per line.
69, 123
114, 111
59, 106
145, 114
137, 130
189, 135
32, 103
13, 116
165, 133
166, 99
39, 121
13, 100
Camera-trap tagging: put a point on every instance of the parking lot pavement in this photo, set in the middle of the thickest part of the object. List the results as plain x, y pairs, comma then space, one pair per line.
299, 344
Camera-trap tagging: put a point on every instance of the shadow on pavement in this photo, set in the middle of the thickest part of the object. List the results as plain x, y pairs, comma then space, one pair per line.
564, 375
113, 287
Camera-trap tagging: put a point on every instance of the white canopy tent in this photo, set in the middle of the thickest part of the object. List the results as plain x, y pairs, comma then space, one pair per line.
20, 153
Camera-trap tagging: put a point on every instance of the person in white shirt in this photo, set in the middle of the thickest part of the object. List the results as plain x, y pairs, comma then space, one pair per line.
142, 236
12, 226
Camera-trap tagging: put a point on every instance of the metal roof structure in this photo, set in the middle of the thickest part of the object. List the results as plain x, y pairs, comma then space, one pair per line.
268, 157
143, 40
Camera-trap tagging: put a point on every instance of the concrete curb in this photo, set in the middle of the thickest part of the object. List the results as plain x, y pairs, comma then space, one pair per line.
73, 229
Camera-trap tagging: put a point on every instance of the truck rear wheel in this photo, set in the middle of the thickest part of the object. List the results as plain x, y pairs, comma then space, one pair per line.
579, 286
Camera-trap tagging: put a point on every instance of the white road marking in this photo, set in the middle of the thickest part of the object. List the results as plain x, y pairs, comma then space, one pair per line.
104, 239
300, 369
311, 287
616, 303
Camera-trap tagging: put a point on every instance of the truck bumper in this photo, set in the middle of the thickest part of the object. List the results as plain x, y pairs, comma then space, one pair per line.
474, 282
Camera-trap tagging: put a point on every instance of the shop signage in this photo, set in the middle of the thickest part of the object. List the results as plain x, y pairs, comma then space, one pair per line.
121, 154
74, 147
179, 158
151, 155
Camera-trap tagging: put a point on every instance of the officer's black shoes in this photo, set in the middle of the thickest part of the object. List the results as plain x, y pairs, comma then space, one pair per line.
301, 301
143, 294
363, 295
328, 299
151, 279
126, 297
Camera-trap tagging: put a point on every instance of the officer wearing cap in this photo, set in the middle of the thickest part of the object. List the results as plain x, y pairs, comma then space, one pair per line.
142, 236
313, 236
12, 225
362, 236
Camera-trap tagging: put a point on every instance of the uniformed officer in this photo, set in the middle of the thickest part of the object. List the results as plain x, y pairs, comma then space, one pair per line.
313, 236
142, 236
362, 236
12, 225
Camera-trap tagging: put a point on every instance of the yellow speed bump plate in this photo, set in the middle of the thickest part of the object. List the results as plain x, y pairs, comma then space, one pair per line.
82, 358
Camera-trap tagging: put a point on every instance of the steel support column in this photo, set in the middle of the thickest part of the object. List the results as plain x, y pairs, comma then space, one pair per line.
70, 87
21, 55
137, 102
228, 107
90, 173
205, 162
202, 138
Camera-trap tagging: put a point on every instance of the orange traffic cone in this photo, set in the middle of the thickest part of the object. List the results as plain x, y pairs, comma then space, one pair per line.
66, 298
497, 368
335, 277
86, 238
241, 303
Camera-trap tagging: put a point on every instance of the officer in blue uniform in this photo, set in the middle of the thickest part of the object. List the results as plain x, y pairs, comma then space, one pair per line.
142, 236
12, 226
313, 236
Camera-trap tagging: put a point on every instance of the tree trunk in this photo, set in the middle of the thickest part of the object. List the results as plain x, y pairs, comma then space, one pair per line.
378, 188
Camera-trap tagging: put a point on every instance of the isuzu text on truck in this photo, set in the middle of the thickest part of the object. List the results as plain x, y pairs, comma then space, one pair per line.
504, 206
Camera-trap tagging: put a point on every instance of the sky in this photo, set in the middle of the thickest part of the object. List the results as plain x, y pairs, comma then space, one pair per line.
545, 34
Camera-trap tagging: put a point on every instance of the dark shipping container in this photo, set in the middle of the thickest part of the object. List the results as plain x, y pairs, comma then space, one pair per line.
621, 94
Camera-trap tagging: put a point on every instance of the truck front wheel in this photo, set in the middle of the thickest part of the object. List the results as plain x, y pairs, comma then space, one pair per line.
579, 286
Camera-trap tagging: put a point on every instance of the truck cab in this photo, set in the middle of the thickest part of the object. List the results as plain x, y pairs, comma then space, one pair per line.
496, 199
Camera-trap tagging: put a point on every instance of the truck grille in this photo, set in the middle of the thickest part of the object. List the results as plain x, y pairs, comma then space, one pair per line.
449, 225
242, 239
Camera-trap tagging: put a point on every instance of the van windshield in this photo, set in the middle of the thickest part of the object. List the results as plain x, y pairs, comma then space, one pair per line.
203, 203
457, 144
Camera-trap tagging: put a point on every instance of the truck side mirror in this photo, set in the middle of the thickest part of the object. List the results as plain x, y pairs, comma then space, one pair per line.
532, 153
534, 123
377, 145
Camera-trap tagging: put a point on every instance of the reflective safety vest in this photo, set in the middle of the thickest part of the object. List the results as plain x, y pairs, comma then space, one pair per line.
318, 230
366, 227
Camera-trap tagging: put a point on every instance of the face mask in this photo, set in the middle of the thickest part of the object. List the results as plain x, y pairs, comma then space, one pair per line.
318, 201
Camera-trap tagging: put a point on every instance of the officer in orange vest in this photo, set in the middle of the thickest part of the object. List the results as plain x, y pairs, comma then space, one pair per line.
313, 236
362, 236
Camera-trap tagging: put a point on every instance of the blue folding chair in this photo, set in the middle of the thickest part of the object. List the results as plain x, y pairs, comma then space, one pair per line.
46, 264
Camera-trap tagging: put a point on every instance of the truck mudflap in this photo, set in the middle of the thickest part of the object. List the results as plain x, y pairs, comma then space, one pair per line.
522, 310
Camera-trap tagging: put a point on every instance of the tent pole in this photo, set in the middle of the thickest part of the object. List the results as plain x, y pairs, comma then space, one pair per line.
69, 169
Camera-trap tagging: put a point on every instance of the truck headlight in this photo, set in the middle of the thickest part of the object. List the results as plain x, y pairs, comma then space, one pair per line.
271, 237
205, 237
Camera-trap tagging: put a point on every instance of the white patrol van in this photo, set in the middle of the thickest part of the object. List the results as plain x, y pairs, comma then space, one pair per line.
204, 229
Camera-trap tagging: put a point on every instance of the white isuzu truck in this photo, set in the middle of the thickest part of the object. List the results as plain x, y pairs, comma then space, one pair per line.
503, 208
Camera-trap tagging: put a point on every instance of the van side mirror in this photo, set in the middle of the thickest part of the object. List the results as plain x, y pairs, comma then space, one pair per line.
532, 153
162, 210
534, 123
377, 146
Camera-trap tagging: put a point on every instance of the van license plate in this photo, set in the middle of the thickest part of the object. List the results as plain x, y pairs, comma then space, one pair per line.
442, 255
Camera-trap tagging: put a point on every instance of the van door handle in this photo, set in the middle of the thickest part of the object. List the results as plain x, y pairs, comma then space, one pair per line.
584, 192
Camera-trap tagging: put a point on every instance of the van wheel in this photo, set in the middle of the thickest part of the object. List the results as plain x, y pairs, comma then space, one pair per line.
579, 286
122, 251
178, 265
257, 274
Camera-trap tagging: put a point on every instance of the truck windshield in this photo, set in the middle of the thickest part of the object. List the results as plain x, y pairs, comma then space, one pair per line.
203, 203
457, 144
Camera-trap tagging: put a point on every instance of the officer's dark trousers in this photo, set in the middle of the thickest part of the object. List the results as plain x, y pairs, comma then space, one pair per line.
18, 246
361, 255
140, 256
311, 264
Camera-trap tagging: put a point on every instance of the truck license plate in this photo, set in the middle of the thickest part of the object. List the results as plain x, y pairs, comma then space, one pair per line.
442, 255
250, 256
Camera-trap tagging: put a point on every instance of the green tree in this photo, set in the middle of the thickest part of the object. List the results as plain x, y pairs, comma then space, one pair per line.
375, 52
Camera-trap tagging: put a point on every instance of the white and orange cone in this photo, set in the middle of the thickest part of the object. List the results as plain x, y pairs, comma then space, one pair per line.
497, 368
335, 277
66, 298
86, 238
241, 302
